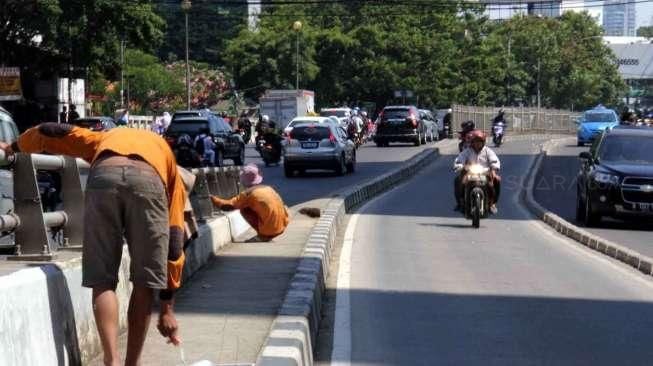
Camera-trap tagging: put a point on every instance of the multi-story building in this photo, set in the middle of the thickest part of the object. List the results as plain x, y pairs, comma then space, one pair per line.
544, 8
619, 18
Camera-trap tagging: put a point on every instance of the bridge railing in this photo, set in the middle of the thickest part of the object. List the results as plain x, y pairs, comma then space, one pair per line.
520, 119
33, 227
141, 122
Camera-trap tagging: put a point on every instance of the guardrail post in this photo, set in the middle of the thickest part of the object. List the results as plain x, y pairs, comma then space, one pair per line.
73, 203
233, 180
200, 198
31, 236
212, 180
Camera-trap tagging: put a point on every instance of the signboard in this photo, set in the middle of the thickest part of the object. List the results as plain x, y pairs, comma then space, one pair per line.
403, 93
10, 84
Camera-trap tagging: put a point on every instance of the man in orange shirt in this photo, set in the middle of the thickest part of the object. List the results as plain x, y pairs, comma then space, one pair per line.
259, 204
134, 190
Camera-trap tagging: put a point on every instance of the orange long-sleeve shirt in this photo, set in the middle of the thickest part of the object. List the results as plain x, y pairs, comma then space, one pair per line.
267, 205
88, 145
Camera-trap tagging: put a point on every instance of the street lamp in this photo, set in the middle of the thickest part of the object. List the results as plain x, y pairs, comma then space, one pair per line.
297, 27
185, 7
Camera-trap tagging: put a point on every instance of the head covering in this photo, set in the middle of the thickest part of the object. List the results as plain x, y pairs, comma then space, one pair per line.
250, 175
167, 118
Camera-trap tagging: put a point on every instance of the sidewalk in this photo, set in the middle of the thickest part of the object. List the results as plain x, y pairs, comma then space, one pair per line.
226, 310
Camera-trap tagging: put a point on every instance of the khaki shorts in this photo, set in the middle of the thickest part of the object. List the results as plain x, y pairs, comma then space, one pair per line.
125, 199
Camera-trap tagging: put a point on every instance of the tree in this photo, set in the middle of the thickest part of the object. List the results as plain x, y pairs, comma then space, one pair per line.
645, 31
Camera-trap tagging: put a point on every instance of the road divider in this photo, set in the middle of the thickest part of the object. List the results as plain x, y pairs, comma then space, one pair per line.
294, 331
617, 251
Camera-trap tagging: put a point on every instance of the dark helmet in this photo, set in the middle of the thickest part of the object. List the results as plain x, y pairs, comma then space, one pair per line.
468, 125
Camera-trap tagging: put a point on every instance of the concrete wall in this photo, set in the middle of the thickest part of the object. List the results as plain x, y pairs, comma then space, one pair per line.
46, 317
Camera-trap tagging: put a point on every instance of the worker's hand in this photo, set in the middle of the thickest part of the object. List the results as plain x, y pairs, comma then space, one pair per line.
168, 326
6, 148
458, 167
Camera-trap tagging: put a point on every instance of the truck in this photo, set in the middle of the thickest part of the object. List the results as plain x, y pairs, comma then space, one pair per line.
284, 105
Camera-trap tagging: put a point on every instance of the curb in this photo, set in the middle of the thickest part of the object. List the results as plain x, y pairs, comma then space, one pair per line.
294, 331
617, 251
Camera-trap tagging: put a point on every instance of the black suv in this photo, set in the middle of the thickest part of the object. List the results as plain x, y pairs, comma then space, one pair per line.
229, 144
399, 123
616, 176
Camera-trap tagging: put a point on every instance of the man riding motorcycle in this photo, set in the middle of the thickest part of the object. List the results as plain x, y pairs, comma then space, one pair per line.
478, 153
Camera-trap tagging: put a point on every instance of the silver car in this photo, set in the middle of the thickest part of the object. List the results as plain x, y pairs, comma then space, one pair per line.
319, 146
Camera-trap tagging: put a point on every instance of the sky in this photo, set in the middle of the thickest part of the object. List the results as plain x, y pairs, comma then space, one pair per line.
644, 10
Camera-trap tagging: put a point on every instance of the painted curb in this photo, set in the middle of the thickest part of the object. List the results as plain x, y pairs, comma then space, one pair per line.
294, 331
617, 251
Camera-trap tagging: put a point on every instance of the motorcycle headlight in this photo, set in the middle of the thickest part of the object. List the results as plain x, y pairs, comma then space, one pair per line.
606, 178
477, 169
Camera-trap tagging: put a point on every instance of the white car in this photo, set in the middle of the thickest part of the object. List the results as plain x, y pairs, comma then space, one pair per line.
343, 114
300, 120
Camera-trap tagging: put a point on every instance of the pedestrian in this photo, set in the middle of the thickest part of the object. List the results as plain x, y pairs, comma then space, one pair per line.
260, 205
136, 191
123, 120
72, 115
63, 115
166, 120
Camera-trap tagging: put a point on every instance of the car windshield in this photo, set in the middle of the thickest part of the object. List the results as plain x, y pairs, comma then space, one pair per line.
185, 115
331, 112
312, 132
627, 149
395, 113
192, 128
600, 117
299, 122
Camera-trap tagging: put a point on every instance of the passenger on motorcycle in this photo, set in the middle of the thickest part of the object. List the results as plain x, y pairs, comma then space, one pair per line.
478, 153
205, 147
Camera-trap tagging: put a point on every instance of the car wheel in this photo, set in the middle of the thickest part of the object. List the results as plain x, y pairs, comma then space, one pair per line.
423, 140
342, 166
418, 140
240, 160
580, 207
351, 167
288, 171
379, 144
591, 218
219, 158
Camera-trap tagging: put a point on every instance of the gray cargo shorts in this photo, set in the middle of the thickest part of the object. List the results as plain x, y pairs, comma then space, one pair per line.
125, 199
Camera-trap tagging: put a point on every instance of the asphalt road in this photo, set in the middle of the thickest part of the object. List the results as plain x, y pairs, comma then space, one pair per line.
555, 189
371, 162
424, 288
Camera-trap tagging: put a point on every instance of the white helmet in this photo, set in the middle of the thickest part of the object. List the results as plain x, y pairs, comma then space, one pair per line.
265, 118
364, 114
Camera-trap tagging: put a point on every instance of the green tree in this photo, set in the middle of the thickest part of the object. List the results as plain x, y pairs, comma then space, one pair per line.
645, 31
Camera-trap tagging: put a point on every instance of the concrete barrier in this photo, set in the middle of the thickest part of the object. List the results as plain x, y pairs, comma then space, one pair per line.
47, 316
294, 331
564, 227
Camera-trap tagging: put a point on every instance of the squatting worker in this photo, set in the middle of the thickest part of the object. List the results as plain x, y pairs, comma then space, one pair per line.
259, 204
135, 190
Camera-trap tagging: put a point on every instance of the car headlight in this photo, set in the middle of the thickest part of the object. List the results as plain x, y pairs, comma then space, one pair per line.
606, 178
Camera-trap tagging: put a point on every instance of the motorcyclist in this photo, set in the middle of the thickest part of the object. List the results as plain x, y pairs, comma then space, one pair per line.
262, 125
205, 146
478, 153
356, 126
246, 125
499, 118
267, 130
446, 123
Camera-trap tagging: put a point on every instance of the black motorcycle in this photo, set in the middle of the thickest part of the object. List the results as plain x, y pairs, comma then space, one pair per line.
269, 151
476, 203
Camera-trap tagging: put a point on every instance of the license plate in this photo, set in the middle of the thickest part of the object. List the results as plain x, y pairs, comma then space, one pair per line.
644, 206
309, 145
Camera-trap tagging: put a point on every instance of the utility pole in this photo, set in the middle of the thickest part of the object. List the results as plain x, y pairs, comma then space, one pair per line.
185, 7
508, 89
122, 73
538, 84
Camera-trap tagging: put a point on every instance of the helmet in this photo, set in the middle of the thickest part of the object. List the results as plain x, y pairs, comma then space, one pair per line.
477, 135
468, 125
364, 114
265, 118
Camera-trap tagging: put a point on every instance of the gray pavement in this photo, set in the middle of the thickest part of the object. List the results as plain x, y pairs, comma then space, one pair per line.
427, 289
227, 308
555, 189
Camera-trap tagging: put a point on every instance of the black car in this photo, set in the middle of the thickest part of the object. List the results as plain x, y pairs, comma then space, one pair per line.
399, 124
229, 144
616, 176
100, 123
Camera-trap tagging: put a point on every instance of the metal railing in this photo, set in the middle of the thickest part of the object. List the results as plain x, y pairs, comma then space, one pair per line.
31, 225
141, 122
519, 119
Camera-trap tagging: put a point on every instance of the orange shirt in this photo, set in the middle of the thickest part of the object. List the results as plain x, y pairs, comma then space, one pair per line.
88, 145
267, 205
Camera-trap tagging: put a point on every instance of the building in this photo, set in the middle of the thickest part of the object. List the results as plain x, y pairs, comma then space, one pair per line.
634, 55
619, 18
545, 8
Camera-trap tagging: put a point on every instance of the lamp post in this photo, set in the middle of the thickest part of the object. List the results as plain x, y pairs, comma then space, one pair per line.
297, 27
185, 7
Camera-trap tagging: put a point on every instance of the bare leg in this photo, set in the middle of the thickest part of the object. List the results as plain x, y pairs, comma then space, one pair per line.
138, 320
105, 309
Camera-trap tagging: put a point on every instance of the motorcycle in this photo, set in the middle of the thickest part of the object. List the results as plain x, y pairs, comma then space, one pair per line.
476, 203
498, 132
268, 152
